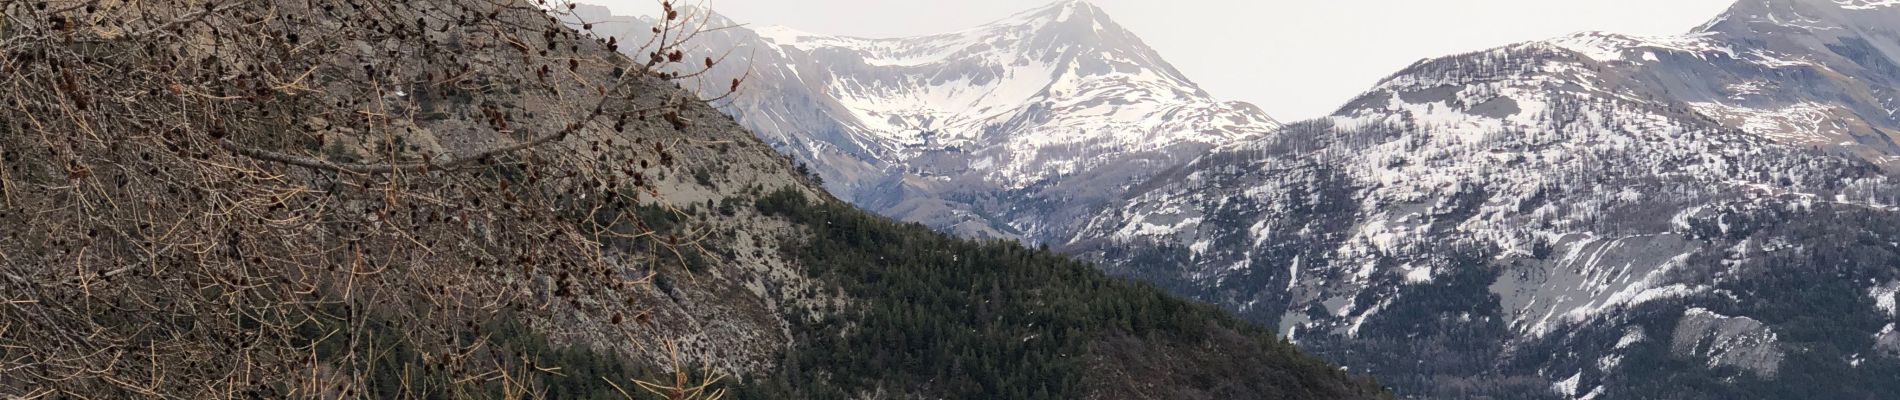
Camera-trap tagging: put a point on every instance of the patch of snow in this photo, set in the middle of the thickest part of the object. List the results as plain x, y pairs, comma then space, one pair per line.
1606, 47
1594, 393
1353, 331
1417, 275
1885, 298
1201, 246
1800, 124
1609, 362
1630, 338
1568, 387
1866, 4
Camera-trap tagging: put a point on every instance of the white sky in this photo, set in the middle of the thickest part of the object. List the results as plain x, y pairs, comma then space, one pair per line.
1296, 58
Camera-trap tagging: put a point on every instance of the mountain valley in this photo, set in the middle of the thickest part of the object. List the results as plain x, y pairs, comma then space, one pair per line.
1707, 215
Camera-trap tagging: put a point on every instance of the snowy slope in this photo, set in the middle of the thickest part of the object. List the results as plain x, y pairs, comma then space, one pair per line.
1523, 221
1813, 73
1592, 216
1024, 94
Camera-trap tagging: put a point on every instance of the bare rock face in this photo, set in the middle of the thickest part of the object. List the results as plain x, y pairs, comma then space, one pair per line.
1888, 341
1723, 341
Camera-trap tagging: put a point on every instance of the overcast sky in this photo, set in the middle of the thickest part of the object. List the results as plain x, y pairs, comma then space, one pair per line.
1295, 58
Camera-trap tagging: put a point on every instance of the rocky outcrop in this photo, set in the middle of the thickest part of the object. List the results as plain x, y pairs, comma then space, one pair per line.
1723, 341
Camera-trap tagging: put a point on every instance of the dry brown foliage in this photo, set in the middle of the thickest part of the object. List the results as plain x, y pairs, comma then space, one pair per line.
197, 193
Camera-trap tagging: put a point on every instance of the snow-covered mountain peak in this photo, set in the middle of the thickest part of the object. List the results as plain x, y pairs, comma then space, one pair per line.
1839, 4
1046, 34
1557, 187
1812, 73
1064, 78
1059, 11
975, 130
1848, 5
1037, 18
1867, 4
1841, 16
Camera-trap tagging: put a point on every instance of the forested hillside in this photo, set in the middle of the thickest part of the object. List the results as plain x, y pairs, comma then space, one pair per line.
996, 320
468, 199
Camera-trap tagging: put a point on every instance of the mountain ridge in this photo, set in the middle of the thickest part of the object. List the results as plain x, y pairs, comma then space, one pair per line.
1527, 221
465, 199
977, 131
1589, 216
